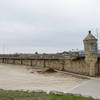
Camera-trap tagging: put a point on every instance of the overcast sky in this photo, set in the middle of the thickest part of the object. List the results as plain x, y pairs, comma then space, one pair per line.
46, 25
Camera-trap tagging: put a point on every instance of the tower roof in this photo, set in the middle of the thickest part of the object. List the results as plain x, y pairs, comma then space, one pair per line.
90, 37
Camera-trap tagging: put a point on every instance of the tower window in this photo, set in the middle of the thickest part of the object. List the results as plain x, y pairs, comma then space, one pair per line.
92, 47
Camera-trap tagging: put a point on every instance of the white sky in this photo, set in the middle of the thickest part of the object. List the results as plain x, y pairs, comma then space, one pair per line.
46, 25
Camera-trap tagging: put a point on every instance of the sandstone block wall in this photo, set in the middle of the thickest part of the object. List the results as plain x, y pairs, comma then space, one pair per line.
98, 67
37, 63
1, 60
76, 66
55, 64
5, 60
18, 61
10, 61
26, 62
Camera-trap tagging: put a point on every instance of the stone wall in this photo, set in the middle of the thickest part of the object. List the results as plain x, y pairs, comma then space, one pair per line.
1, 60
78, 66
10, 61
55, 64
26, 62
98, 66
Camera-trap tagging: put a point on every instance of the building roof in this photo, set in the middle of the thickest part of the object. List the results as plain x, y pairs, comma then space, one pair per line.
90, 37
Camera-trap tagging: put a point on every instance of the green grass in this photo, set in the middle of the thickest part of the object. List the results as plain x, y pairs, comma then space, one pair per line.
20, 95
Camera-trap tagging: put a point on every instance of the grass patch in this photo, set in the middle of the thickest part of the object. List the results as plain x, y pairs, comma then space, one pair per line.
21, 95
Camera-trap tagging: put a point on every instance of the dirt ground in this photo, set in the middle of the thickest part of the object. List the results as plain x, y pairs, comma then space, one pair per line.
18, 77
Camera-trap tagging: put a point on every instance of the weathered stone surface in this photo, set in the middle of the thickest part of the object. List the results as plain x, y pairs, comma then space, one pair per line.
91, 53
26, 62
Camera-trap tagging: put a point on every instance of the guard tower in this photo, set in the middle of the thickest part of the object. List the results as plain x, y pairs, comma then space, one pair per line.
91, 53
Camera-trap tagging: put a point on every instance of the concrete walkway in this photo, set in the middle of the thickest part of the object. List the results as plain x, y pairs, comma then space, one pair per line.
89, 88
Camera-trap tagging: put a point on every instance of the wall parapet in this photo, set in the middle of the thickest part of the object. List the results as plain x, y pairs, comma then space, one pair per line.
64, 55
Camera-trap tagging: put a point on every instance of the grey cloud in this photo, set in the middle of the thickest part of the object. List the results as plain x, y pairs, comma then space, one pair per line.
49, 24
